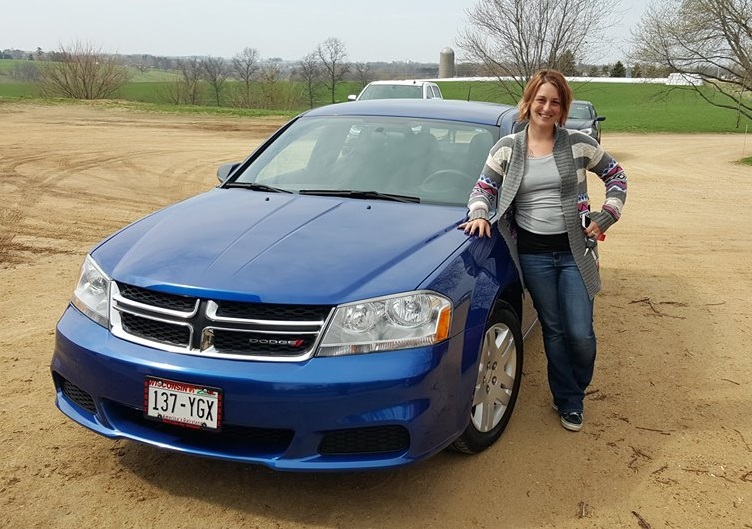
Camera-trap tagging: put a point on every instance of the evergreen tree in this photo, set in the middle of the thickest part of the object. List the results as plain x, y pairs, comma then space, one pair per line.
618, 70
567, 64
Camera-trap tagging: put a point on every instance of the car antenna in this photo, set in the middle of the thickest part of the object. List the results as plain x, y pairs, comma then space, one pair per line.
469, 88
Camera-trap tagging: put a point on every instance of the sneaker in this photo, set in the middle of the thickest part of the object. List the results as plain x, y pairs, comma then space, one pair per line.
572, 420
554, 406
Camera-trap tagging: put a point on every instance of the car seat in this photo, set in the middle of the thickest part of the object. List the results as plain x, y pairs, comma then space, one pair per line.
477, 152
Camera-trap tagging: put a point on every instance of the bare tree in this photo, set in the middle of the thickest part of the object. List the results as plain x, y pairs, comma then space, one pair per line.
309, 72
333, 56
516, 38
709, 40
142, 63
245, 65
364, 73
190, 80
26, 71
214, 71
270, 77
82, 71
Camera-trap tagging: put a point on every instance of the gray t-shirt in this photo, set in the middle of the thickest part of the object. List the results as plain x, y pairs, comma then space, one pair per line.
538, 201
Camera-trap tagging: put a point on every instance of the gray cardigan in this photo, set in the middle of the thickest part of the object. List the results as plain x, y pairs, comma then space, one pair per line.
575, 153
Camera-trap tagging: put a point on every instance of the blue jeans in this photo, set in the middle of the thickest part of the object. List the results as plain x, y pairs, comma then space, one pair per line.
565, 312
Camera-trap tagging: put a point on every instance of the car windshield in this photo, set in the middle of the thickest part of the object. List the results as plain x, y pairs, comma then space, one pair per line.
392, 91
579, 111
435, 161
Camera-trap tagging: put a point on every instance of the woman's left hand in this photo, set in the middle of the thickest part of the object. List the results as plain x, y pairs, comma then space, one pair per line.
593, 231
481, 226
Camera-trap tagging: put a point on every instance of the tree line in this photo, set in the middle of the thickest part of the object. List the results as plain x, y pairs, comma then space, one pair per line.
247, 80
81, 70
707, 40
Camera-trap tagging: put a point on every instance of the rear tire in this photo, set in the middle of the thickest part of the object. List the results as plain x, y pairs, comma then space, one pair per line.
498, 382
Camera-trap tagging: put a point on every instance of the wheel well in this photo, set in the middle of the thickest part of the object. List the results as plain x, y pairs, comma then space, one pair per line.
512, 296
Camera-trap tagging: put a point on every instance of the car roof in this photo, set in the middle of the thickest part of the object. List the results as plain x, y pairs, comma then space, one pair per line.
445, 109
581, 102
401, 82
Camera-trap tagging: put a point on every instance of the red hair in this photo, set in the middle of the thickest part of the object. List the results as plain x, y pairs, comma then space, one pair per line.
542, 77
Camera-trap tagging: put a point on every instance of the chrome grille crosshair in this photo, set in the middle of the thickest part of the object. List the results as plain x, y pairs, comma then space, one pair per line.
216, 328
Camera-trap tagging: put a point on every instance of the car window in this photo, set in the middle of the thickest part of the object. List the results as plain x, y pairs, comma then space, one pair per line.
287, 157
436, 91
390, 91
437, 161
580, 111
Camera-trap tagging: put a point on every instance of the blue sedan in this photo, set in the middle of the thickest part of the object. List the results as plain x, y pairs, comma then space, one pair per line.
318, 310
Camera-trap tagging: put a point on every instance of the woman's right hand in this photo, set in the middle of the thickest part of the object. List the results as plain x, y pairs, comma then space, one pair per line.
480, 227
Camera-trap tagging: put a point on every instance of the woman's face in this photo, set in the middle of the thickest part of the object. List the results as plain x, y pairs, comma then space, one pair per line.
545, 110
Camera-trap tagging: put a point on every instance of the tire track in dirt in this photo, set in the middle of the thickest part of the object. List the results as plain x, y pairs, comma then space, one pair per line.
121, 182
19, 197
178, 180
30, 183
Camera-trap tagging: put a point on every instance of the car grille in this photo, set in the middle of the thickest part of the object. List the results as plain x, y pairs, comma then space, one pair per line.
157, 299
156, 331
216, 328
77, 395
243, 439
369, 440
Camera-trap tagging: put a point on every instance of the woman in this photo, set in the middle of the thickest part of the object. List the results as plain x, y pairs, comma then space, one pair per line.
536, 179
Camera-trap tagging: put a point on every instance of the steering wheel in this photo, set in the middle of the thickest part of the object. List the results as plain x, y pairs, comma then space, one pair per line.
453, 178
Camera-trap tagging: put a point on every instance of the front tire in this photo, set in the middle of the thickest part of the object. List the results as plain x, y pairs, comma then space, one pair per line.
498, 382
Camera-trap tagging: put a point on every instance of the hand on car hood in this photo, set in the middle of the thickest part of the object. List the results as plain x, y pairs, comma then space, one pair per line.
281, 248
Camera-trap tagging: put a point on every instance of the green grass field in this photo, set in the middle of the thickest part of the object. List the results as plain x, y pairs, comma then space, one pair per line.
630, 107
145, 92
627, 107
18, 90
8, 65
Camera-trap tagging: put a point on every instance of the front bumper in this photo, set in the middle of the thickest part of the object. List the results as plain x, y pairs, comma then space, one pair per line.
367, 411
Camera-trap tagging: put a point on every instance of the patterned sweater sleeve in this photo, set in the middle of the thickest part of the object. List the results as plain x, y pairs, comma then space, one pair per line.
485, 193
615, 180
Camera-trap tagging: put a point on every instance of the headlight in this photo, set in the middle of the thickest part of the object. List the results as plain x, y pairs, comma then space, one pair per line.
387, 324
588, 131
92, 294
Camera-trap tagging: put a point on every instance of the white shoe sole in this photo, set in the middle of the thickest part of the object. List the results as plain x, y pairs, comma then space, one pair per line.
570, 426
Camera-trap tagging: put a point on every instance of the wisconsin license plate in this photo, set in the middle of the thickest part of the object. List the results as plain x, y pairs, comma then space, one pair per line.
183, 404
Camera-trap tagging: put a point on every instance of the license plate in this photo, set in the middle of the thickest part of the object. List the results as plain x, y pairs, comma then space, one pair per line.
183, 404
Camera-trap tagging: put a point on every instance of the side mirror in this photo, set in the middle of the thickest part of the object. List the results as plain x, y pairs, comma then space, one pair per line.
600, 118
225, 170
352, 97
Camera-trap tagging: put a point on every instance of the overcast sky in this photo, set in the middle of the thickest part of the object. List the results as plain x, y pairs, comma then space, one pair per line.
379, 30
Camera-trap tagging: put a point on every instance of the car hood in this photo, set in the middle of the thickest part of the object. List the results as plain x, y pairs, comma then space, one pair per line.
579, 124
245, 245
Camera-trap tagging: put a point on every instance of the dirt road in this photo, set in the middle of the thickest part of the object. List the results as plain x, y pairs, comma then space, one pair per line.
668, 435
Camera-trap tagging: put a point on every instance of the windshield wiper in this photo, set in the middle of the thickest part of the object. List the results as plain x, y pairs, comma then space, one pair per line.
350, 193
257, 187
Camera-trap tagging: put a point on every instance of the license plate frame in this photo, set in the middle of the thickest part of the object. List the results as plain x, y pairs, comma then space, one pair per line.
183, 404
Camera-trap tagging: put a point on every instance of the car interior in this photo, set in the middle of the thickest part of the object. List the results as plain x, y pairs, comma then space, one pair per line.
438, 162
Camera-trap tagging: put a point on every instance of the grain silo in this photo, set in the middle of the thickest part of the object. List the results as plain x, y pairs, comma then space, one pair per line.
446, 63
